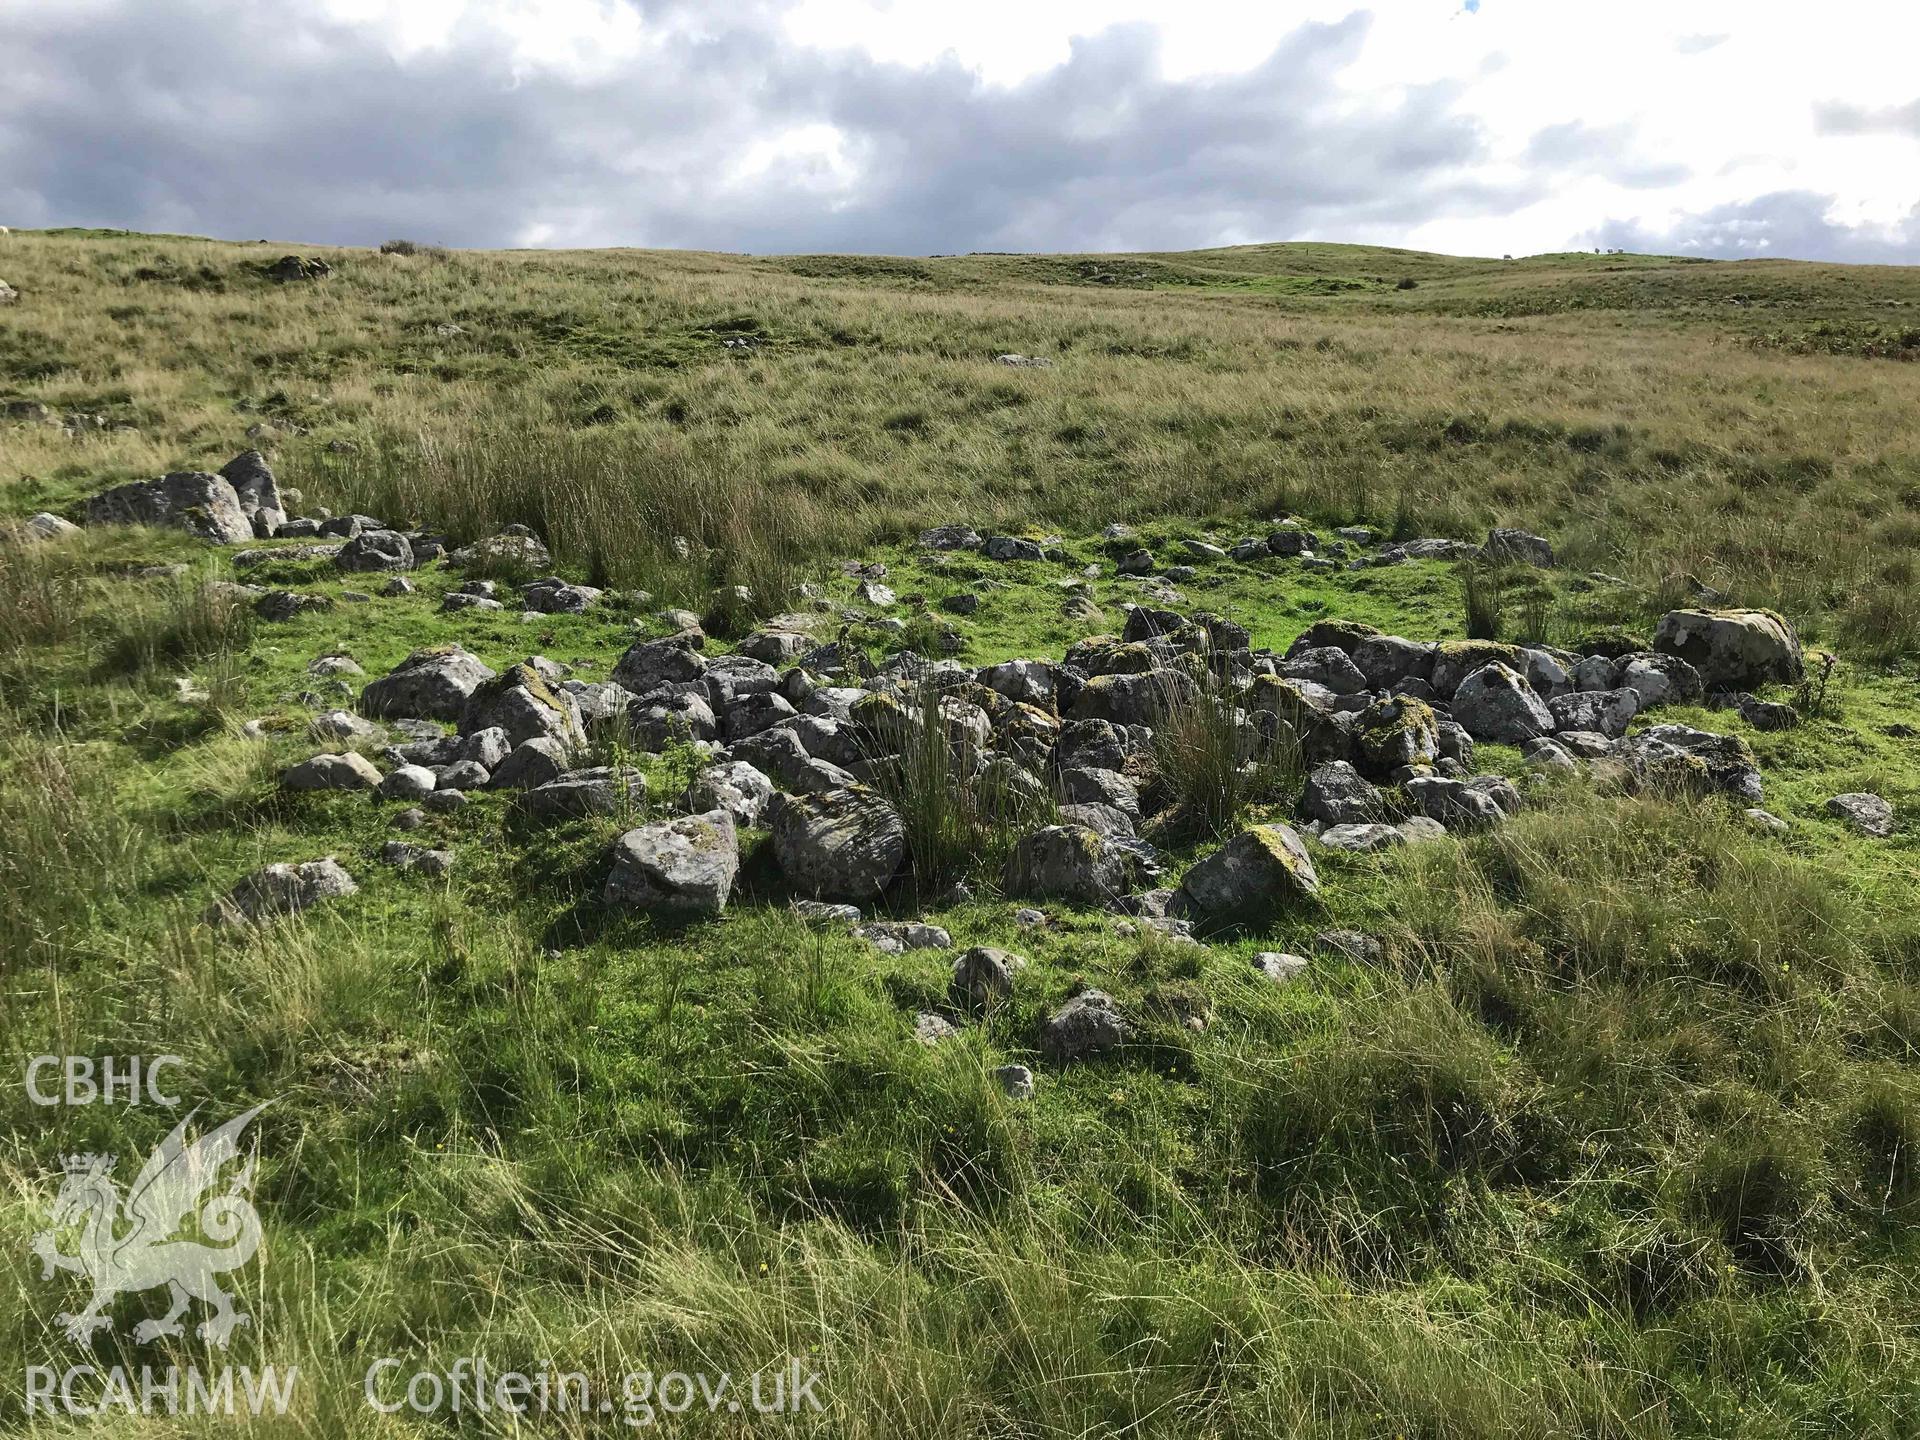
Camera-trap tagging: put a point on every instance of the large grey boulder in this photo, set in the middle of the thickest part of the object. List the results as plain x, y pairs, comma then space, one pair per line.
1697, 759
331, 772
680, 867
534, 762
1732, 649
604, 701
190, 500
521, 703
1253, 877
1327, 667
408, 782
1475, 804
254, 487
1386, 661
653, 664
508, 551
1605, 712
1101, 787
432, 684
599, 790
281, 890
1337, 794
1496, 703
671, 718
844, 844
1361, 838
1071, 862
375, 550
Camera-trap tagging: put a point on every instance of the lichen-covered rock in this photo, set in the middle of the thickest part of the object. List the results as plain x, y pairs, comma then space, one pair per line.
520, 702
1732, 649
1327, 667
1361, 838
1517, 547
434, 684
1681, 757
1388, 660
1011, 547
408, 782
1657, 679
1070, 862
1396, 732
534, 762
735, 787
281, 890
1254, 876
506, 552
1866, 812
680, 867
192, 500
843, 844
1496, 703
1605, 712
1463, 804
553, 596
1454, 660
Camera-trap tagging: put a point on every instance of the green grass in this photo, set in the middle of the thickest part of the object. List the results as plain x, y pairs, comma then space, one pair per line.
1618, 1140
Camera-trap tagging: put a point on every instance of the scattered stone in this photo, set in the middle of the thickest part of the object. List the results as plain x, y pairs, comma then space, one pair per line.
1866, 812
1280, 967
1679, 755
533, 763
292, 269
822, 911
282, 889
897, 936
1517, 547
1603, 712
1336, 794
1767, 714
404, 856
331, 772
1024, 362
950, 537
506, 552
733, 786
1015, 1080
1088, 1025
375, 550
1010, 547
445, 801
1764, 820
684, 866
554, 596
1361, 838
599, 790
1354, 945
930, 1029
284, 605
47, 526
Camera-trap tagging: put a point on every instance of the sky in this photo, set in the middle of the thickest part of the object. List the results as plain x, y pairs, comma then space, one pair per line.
1710, 127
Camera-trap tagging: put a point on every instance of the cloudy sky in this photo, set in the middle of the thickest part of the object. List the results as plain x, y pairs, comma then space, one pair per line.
1723, 127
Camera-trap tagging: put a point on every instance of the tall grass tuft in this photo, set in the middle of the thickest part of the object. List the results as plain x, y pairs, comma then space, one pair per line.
1211, 763
961, 818
190, 621
1483, 597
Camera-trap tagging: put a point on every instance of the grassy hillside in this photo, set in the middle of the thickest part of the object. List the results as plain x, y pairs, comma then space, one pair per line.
1615, 1135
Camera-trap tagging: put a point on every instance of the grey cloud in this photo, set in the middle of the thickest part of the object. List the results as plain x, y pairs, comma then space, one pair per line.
1608, 151
229, 118
1837, 117
1786, 224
